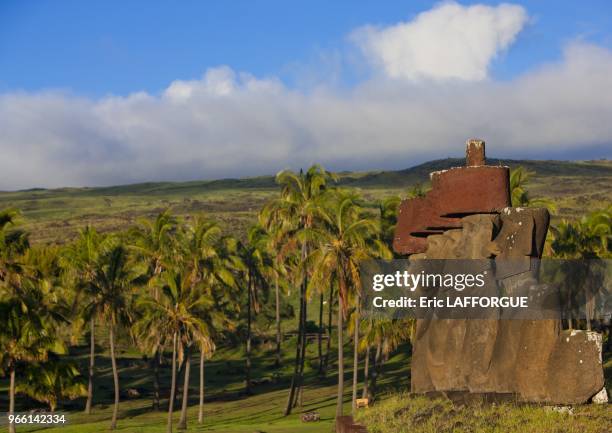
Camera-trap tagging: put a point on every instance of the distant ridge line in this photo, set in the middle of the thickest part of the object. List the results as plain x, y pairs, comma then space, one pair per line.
374, 178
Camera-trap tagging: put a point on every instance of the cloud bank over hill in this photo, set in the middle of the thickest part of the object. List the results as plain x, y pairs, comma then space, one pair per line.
429, 92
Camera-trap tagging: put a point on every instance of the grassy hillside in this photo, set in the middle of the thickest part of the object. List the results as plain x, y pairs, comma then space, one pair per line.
55, 215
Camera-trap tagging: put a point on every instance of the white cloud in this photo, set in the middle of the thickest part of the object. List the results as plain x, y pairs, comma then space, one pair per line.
450, 41
230, 124
217, 81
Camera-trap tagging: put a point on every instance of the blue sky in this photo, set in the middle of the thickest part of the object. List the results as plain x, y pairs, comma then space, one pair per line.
118, 47
101, 93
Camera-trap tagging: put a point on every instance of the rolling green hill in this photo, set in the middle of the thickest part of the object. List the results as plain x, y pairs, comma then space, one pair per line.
54, 215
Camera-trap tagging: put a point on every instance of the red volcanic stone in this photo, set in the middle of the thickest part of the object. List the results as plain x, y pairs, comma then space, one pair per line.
469, 190
455, 193
475, 152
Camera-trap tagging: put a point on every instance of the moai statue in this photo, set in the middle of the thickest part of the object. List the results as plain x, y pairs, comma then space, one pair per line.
468, 215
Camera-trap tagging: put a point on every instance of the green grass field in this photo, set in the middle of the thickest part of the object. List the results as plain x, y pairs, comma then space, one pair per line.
227, 409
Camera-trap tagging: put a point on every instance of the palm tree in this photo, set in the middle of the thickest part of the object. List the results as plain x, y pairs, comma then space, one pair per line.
388, 211
330, 310
587, 238
108, 295
13, 245
176, 316
33, 303
154, 243
23, 332
346, 237
520, 197
275, 231
50, 381
152, 331
597, 233
207, 348
417, 190
295, 211
211, 260
385, 335
79, 262
258, 265
26, 334
7, 218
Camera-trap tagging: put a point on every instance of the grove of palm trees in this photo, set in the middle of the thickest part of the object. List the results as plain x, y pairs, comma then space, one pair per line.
129, 330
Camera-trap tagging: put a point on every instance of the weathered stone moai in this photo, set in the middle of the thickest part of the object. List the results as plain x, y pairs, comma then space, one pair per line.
468, 215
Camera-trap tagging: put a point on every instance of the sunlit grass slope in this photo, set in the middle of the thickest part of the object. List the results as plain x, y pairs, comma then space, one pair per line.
56, 215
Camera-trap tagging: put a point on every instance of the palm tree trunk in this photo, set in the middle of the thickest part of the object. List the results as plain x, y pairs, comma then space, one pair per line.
300, 391
340, 398
172, 385
247, 380
588, 305
11, 428
180, 368
92, 358
278, 323
201, 405
156, 363
376, 371
300, 350
294, 378
115, 375
320, 336
355, 359
329, 328
183, 420
569, 310
366, 373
